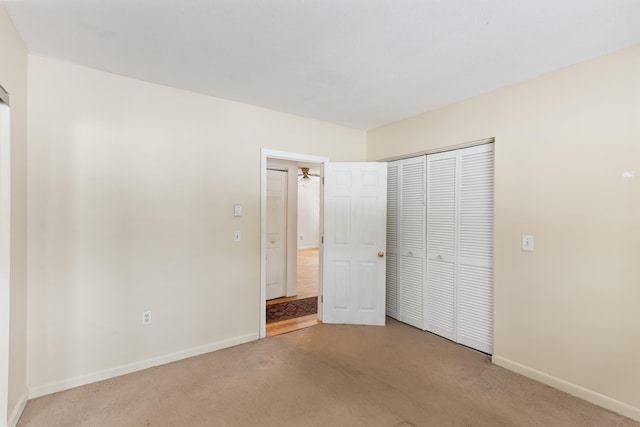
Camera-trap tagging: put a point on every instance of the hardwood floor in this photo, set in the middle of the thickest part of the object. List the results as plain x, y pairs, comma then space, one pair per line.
307, 277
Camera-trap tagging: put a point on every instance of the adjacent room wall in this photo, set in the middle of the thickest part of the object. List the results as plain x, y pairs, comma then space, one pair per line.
566, 313
131, 194
13, 77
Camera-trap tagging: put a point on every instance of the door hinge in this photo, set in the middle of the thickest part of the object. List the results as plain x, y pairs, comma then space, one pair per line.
323, 179
321, 298
322, 240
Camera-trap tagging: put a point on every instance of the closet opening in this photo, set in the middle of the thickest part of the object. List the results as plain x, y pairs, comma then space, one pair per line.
440, 243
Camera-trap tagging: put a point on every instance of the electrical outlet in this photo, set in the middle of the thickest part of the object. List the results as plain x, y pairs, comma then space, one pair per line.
146, 317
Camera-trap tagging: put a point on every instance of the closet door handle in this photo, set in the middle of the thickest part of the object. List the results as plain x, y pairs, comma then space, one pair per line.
380, 254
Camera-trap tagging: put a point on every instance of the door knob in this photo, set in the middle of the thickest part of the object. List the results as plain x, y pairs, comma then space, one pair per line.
380, 254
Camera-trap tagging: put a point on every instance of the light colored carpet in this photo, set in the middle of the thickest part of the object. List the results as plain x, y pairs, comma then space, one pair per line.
326, 375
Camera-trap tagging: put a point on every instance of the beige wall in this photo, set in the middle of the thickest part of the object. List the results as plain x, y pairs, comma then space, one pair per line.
567, 313
13, 77
131, 194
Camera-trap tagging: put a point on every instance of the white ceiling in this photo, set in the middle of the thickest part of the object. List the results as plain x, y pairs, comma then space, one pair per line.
359, 63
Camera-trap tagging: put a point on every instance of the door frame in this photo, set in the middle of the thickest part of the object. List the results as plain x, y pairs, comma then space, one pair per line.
279, 155
5, 253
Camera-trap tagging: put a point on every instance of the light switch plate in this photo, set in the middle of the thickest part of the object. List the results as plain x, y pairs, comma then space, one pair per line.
527, 242
146, 317
237, 210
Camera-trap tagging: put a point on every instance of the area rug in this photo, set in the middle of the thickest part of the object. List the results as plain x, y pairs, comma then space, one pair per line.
291, 309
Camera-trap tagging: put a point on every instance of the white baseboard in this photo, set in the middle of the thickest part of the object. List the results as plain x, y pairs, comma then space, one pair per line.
17, 410
571, 388
66, 384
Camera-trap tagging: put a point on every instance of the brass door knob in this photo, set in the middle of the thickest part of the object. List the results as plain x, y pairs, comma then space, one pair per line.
380, 254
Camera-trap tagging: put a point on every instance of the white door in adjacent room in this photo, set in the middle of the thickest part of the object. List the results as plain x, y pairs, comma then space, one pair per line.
354, 243
276, 266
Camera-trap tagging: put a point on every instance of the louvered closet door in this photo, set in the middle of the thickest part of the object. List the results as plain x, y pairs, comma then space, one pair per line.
475, 251
412, 222
441, 244
392, 239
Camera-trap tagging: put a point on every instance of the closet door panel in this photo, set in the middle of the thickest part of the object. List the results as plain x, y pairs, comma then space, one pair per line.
475, 308
476, 206
440, 299
412, 241
392, 239
411, 291
475, 264
392, 285
412, 198
441, 244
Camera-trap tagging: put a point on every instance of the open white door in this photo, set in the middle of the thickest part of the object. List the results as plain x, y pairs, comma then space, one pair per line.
354, 243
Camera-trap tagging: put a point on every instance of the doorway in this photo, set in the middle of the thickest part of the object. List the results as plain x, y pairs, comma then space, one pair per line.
298, 308
307, 257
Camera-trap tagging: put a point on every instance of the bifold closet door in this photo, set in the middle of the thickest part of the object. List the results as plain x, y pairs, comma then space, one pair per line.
411, 241
442, 221
459, 288
392, 239
475, 248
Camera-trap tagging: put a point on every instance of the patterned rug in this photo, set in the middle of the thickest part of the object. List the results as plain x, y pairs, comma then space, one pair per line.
291, 309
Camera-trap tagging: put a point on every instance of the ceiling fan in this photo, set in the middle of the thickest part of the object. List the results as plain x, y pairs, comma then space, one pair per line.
305, 174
